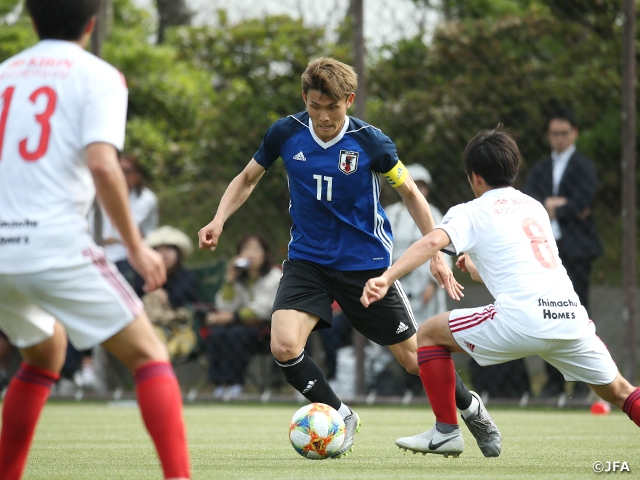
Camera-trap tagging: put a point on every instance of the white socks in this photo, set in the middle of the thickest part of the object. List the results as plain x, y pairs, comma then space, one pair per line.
345, 411
473, 408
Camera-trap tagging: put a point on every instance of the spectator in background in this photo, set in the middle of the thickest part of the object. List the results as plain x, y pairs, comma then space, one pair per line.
168, 306
420, 285
144, 207
242, 316
566, 183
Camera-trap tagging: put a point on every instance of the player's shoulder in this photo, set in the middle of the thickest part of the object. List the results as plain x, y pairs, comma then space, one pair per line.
99, 69
294, 122
360, 128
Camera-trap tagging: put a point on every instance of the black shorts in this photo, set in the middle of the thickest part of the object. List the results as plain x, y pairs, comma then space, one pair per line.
311, 288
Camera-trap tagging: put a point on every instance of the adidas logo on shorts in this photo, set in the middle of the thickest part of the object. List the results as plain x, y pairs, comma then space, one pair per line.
300, 157
401, 328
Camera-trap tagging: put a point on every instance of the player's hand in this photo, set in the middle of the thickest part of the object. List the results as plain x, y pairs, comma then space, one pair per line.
465, 264
150, 265
374, 290
209, 235
444, 276
461, 263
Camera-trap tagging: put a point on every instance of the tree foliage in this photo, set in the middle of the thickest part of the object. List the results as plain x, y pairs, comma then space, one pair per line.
200, 103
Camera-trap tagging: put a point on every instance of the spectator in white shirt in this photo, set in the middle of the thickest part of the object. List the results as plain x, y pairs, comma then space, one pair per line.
144, 207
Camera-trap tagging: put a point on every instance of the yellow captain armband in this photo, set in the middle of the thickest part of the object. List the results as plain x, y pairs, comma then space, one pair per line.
397, 175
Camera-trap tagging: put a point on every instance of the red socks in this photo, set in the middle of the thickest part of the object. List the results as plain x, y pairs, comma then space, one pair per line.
161, 407
23, 402
631, 406
438, 377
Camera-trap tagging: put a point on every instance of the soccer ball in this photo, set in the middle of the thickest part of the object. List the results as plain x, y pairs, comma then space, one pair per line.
316, 431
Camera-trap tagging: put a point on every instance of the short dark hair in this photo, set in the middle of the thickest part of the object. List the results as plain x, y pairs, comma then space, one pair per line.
561, 113
330, 77
494, 155
62, 19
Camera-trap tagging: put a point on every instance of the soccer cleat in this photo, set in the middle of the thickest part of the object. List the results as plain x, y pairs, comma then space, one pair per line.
351, 426
445, 444
484, 430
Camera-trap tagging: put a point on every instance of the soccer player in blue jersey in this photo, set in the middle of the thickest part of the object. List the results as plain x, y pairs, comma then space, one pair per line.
340, 238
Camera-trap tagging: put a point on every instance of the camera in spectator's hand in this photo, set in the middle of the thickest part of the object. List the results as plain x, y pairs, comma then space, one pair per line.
241, 263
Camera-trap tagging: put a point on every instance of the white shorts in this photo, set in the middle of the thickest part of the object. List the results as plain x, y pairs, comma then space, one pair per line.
488, 337
92, 300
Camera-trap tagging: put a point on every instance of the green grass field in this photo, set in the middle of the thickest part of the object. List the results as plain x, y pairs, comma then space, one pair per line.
98, 441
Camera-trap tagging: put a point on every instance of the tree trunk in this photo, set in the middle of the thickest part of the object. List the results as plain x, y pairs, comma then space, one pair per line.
172, 13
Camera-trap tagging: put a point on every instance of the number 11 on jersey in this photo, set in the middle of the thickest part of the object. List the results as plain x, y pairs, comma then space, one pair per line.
329, 181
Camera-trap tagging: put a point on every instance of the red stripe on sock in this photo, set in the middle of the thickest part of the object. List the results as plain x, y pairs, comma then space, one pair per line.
161, 407
631, 406
23, 403
438, 377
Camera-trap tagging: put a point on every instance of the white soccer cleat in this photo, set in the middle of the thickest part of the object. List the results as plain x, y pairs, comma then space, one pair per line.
446, 444
351, 426
484, 430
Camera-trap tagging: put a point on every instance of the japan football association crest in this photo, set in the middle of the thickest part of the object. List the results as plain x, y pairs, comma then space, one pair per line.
348, 161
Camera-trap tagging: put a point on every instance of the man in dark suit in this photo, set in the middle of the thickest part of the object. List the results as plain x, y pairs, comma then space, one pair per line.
565, 184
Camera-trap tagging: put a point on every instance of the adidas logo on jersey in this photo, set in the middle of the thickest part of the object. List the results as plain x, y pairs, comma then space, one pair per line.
401, 328
309, 386
300, 157
470, 345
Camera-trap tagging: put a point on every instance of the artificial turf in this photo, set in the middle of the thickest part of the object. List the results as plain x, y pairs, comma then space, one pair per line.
107, 441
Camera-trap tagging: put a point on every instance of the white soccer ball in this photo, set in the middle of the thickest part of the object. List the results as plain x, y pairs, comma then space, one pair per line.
316, 431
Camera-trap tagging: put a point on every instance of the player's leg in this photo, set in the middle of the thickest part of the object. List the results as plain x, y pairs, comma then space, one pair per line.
435, 344
290, 330
588, 360
96, 305
621, 394
406, 353
138, 347
438, 376
42, 343
303, 300
25, 398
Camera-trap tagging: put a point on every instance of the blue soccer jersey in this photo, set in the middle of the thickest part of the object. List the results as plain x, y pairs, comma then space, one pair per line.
334, 187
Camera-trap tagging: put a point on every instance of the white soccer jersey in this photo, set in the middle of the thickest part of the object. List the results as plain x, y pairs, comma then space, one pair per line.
508, 236
55, 100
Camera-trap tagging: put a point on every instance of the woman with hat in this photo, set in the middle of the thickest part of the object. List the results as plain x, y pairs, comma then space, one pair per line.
168, 307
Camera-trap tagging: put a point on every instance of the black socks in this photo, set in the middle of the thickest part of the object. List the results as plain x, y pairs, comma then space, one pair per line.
303, 374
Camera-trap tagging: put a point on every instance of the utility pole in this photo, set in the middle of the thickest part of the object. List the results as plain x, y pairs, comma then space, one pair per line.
97, 39
359, 50
629, 216
357, 9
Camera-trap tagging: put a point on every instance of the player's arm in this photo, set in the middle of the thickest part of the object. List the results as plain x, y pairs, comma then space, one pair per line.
113, 195
421, 213
417, 254
234, 196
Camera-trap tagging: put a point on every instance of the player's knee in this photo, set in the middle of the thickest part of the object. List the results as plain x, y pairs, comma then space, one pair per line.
284, 350
426, 335
411, 366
